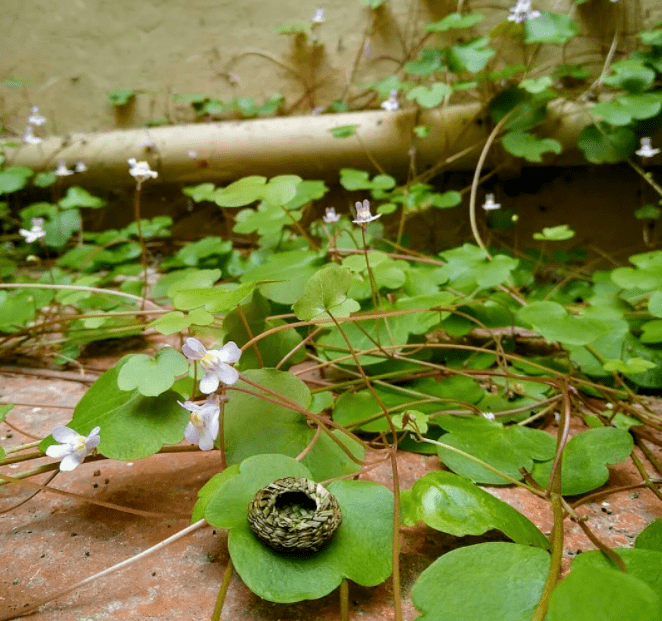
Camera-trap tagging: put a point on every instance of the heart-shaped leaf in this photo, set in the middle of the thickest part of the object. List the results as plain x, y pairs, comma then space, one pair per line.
430, 96
471, 56
606, 145
78, 197
14, 178
508, 449
326, 292
254, 426
528, 146
554, 323
151, 376
585, 459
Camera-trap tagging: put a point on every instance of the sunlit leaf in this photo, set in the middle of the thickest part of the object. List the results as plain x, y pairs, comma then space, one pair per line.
501, 581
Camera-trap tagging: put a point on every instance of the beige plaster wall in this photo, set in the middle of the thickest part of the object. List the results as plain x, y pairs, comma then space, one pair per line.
69, 54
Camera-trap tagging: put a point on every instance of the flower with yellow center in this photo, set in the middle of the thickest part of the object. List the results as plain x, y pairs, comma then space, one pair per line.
73, 447
215, 362
203, 426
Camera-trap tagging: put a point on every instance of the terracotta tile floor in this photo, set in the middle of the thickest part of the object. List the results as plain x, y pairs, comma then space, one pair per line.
52, 541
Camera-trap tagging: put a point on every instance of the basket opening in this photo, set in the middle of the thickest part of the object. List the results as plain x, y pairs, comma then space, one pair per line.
298, 499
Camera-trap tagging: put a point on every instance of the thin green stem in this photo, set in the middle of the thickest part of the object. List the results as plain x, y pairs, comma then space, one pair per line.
222, 592
344, 600
556, 541
394, 471
141, 240
474, 185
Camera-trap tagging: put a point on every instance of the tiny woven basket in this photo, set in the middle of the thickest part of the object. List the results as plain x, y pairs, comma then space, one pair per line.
294, 515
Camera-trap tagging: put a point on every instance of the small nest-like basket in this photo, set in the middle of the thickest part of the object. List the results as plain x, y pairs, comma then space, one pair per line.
294, 515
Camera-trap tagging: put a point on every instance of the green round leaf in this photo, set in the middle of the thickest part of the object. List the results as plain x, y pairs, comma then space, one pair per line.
553, 322
508, 449
605, 145
452, 504
590, 594
241, 192
585, 459
216, 300
471, 56
430, 96
14, 178
290, 269
651, 537
630, 75
78, 197
326, 292
281, 189
550, 28
360, 550
651, 332
643, 564
254, 426
152, 376
487, 581
528, 146
555, 233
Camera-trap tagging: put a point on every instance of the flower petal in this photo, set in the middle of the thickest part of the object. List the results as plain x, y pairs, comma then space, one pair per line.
71, 461
209, 383
58, 451
191, 434
92, 442
193, 349
229, 353
64, 434
227, 374
206, 441
190, 406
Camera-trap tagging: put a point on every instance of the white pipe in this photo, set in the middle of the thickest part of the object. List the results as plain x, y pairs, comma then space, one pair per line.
226, 151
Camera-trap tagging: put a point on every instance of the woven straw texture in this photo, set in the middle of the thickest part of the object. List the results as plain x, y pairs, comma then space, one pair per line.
294, 515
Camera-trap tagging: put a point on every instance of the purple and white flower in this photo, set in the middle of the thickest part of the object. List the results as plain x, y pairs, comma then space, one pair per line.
36, 232
141, 171
29, 137
330, 215
73, 447
203, 426
646, 150
62, 170
35, 118
363, 215
489, 203
391, 104
521, 12
215, 362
